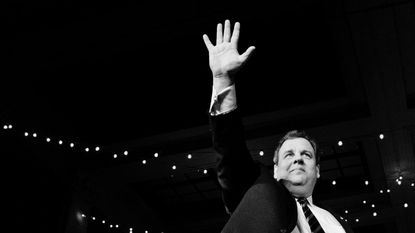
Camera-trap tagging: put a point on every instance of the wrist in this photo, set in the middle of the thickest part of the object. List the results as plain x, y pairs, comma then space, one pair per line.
221, 82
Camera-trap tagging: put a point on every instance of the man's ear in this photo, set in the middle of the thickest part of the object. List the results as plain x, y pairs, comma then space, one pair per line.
275, 171
318, 170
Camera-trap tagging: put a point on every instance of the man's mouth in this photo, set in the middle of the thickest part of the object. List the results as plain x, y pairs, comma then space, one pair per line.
298, 169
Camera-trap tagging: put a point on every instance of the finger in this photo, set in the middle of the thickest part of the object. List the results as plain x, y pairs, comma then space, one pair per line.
219, 36
247, 54
227, 31
208, 44
235, 34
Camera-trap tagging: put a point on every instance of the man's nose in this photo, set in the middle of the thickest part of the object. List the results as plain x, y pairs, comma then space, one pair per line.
298, 159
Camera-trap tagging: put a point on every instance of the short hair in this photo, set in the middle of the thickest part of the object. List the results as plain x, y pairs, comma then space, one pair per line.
296, 134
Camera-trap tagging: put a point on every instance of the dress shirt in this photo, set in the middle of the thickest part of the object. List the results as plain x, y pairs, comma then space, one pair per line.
224, 102
327, 221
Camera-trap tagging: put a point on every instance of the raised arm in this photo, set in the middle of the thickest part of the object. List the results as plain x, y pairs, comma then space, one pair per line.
236, 170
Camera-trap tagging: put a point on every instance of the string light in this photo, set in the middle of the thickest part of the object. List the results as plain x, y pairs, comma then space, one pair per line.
115, 156
381, 136
205, 171
87, 149
144, 161
174, 167
189, 156
125, 153
26, 134
97, 148
47, 139
34, 135
405, 205
340, 143
72, 145
10, 126
156, 155
366, 182
60, 142
261, 153
333, 182
5, 127
375, 214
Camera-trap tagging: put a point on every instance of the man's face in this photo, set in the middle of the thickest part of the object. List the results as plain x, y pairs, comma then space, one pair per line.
297, 167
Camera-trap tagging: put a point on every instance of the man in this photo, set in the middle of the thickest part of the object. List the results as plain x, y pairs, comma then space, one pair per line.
256, 200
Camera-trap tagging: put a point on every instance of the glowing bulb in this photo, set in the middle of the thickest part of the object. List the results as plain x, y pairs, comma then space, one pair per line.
373, 205
399, 182
125, 153
346, 211
381, 136
26, 134
375, 214
116, 226
333, 182
83, 215
381, 191
261, 153
144, 161
48, 139
156, 155
93, 218
340, 143
174, 167
5, 127
71, 144
87, 149
364, 201
405, 205
10, 126
60, 142
366, 182
189, 156
412, 184
111, 226
34, 135
115, 156
205, 171
103, 221
357, 220
400, 177
388, 190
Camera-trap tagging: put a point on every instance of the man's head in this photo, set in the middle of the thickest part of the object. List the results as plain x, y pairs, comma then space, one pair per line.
296, 163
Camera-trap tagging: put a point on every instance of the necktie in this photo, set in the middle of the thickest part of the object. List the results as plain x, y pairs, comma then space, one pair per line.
311, 219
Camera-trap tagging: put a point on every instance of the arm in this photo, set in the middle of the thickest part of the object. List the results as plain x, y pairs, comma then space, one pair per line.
236, 170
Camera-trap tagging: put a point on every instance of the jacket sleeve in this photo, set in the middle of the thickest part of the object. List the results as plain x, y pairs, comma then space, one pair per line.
236, 170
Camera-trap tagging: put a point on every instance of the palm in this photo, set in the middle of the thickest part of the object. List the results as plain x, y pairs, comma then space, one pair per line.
224, 58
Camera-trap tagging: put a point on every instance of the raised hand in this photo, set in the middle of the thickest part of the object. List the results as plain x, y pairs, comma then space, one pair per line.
224, 59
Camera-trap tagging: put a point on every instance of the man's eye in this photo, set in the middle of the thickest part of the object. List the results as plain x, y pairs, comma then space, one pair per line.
308, 155
289, 154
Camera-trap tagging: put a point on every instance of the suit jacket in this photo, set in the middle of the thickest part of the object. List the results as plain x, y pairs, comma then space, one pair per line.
256, 201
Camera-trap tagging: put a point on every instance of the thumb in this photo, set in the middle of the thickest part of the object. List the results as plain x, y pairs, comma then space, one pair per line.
247, 54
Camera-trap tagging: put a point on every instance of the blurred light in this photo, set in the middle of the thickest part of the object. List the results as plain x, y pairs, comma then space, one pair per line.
116, 226
71, 144
375, 214
388, 190
373, 205
48, 139
340, 143
346, 211
333, 182
261, 153
156, 155
357, 220
83, 215
381, 136
189, 156
205, 171
174, 167
87, 149
103, 221
111, 226
10, 126
381, 191
93, 218
115, 156
366, 182
400, 177
144, 161
125, 153
60, 142
364, 201
34, 135
412, 184
26, 134
405, 205
5, 127
97, 148
399, 182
